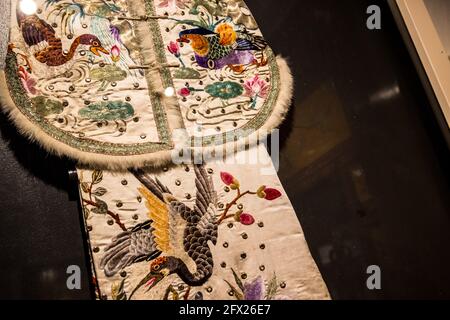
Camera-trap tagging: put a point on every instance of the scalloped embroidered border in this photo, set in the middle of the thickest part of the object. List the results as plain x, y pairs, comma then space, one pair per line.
116, 156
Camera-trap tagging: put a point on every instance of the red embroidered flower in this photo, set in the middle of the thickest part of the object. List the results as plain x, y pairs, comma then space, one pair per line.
247, 219
184, 92
268, 193
174, 48
229, 180
226, 178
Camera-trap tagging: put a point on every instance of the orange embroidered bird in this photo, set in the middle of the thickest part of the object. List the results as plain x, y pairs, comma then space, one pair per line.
223, 46
37, 32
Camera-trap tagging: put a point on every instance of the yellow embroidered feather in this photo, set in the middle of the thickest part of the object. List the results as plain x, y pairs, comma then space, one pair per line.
159, 214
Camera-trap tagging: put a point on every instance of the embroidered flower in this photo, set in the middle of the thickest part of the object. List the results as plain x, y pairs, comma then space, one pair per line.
246, 219
28, 82
174, 48
115, 32
229, 180
268, 193
224, 90
256, 88
254, 290
184, 92
173, 4
115, 53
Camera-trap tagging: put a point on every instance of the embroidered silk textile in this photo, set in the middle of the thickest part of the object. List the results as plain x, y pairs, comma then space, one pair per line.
109, 83
134, 90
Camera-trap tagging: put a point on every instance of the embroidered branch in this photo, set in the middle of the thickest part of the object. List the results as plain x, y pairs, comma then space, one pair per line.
108, 212
263, 192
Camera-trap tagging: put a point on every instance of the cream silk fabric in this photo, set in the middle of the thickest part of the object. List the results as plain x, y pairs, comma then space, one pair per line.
132, 84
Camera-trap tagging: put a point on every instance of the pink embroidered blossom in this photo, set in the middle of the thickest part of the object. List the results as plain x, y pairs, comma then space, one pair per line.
115, 53
268, 193
28, 82
173, 4
227, 178
247, 219
184, 92
256, 87
174, 48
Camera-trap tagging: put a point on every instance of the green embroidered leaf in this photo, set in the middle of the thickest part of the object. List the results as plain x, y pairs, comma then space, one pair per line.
238, 280
100, 192
101, 208
224, 90
85, 187
237, 294
97, 176
109, 111
45, 107
272, 288
186, 73
108, 73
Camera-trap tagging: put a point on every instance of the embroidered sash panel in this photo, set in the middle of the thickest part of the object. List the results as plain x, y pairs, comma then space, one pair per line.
127, 83
217, 231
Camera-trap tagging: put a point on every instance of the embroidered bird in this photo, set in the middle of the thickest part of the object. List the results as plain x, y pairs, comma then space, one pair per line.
223, 47
175, 238
47, 47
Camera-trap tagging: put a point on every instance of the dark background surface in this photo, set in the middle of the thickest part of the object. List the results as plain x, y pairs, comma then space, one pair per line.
362, 159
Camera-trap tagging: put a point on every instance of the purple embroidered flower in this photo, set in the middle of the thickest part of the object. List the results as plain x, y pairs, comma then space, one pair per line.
115, 32
254, 290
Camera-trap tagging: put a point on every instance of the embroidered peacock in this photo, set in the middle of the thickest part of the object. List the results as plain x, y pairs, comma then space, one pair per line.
223, 47
47, 47
175, 237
